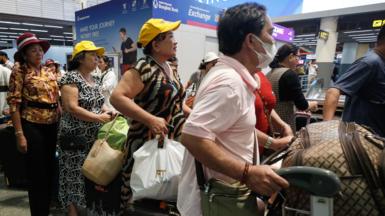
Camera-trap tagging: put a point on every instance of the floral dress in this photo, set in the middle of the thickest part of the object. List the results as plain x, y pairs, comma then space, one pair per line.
71, 180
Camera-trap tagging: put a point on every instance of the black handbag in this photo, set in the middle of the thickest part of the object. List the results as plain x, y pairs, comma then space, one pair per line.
72, 142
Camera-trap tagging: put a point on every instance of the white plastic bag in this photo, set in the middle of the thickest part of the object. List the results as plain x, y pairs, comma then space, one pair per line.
156, 171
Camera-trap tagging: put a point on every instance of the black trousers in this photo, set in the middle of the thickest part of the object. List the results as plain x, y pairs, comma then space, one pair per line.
41, 144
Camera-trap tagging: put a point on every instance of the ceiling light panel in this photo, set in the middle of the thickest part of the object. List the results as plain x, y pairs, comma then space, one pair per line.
365, 37
11, 33
305, 35
57, 36
3, 28
67, 33
53, 26
38, 30
358, 31
7, 39
32, 24
372, 34
3, 36
9, 22
18, 29
42, 38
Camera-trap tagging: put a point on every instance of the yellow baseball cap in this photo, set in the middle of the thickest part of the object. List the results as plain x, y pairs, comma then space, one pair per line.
153, 27
87, 46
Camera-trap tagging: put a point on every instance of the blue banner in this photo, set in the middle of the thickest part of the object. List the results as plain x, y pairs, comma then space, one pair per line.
101, 23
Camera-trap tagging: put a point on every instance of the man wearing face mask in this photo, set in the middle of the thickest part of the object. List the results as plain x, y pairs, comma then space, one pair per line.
219, 133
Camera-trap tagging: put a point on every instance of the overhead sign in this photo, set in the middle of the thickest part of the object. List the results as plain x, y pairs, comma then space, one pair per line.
275, 8
378, 23
281, 33
324, 35
189, 12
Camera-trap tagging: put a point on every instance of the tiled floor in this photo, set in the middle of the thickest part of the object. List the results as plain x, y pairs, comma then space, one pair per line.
14, 202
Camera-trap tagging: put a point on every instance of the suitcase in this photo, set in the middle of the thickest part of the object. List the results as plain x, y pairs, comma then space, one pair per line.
351, 151
14, 163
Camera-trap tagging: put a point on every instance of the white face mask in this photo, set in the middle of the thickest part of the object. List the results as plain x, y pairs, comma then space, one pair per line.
266, 58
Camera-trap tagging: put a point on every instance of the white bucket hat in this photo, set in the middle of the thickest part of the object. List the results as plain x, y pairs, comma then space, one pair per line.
209, 57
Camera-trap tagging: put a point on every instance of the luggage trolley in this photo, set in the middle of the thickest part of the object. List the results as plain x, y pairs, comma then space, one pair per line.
322, 185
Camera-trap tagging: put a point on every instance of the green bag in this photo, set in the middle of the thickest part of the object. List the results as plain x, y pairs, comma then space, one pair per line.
223, 199
219, 198
118, 134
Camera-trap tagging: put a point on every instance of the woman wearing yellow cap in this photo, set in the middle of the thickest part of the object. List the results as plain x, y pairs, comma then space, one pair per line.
151, 94
83, 115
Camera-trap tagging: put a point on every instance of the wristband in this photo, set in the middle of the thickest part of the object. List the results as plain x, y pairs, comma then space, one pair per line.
18, 132
268, 142
245, 173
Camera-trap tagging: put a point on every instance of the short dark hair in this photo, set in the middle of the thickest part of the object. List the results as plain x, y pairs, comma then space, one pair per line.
106, 60
147, 50
75, 62
238, 21
123, 30
381, 35
283, 52
2, 53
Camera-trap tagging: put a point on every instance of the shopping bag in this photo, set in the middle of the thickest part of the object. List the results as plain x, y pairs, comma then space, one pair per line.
156, 170
103, 163
118, 133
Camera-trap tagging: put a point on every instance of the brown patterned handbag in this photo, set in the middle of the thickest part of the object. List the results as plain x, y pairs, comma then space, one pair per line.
354, 153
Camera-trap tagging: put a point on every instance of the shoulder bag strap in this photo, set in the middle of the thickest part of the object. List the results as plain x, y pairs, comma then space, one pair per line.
199, 168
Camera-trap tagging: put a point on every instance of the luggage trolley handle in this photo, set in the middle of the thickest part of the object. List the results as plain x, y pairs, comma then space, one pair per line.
322, 184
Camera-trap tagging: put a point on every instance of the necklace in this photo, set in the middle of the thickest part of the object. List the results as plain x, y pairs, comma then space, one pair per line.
89, 81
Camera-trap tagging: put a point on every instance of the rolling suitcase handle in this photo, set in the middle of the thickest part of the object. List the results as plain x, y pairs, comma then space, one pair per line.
320, 183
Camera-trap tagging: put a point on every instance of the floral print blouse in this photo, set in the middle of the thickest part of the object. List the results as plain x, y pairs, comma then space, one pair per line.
27, 84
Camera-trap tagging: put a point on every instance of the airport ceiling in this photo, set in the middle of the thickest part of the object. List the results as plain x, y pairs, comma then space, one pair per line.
57, 32
351, 28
